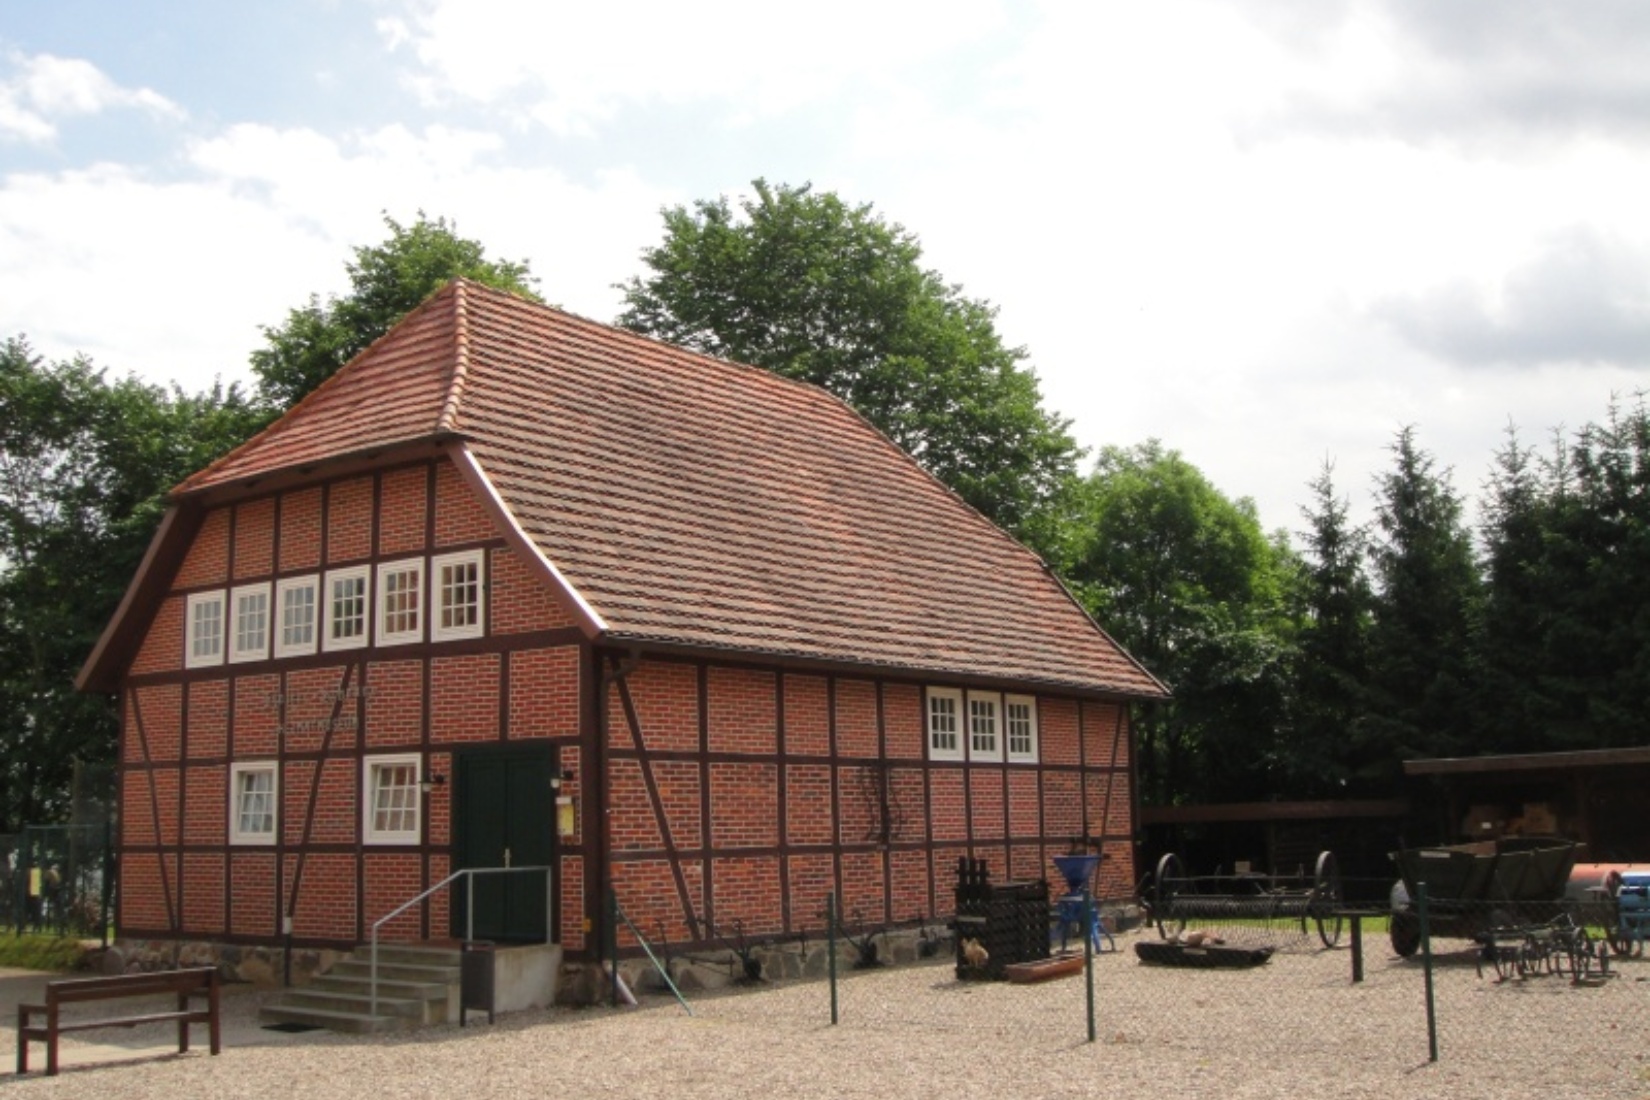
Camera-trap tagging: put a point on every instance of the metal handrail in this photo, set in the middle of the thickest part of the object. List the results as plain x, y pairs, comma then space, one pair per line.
468, 873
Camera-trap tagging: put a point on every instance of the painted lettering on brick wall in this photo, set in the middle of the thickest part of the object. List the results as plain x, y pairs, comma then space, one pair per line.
273, 699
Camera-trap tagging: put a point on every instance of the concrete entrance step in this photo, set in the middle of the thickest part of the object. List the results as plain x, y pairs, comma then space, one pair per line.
417, 985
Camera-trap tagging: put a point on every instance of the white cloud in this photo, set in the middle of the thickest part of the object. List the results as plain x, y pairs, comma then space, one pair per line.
1583, 297
171, 278
38, 91
575, 66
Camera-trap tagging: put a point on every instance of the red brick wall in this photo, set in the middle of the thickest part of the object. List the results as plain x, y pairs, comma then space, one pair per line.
207, 562
460, 516
464, 698
856, 719
300, 530
743, 711
395, 704
255, 539
520, 600
544, 693
745, 793
402, 508
349, 520
839, 797
316, 715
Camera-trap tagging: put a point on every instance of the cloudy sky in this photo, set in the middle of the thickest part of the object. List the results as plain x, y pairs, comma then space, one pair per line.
1268, 233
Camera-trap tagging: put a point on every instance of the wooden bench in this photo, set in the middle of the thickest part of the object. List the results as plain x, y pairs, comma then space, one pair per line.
186, 985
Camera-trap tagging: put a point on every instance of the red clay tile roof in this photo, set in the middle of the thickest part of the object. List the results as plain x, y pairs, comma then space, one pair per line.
691, 501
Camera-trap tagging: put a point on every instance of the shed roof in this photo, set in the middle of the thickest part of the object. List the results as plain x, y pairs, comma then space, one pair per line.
683, 500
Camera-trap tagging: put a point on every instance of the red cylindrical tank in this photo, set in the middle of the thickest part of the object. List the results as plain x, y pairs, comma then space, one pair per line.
1590, 880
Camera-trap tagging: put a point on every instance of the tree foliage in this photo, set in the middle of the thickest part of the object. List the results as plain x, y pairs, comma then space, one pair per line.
816, 289
1420, 701
1329, 749
386, 281
1189, 583
84, 464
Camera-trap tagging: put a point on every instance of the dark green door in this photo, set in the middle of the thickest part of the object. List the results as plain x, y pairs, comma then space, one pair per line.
504, 817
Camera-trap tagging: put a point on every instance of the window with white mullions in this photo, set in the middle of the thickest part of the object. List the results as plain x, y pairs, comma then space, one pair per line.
400, 602
346, 609
295, 616
458, 582
1020, 726
392, 799
984, 735
249, 623
252, 803
203, 630
945, 724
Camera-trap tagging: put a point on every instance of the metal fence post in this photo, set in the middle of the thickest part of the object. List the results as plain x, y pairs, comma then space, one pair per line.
1426, 966
108, 880
27, 912
1088, 956
830, 947
613, 944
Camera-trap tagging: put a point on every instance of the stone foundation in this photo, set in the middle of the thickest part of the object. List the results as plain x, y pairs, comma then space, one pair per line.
585, 983
265, 967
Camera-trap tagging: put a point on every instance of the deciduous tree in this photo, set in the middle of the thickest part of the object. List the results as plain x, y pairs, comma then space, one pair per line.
817, 289
386, 281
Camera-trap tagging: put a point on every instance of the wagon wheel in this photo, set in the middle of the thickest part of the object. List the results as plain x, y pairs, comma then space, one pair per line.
1165, 885
1405, 933
1325, 897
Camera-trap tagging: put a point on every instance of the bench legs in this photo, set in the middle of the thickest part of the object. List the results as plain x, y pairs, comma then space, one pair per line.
24, 1013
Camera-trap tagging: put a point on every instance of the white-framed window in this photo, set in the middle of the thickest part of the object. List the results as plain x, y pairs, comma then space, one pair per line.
253, 795
945, 724
456, 583
203, 629
985, 726
1020, 728
296, 616
345, 607
249, 623
401, 601
391, 799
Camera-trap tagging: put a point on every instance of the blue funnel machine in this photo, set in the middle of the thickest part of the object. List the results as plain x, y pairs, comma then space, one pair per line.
1072, 909
1076, 870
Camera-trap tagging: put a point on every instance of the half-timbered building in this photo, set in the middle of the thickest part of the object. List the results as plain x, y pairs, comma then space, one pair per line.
516, 588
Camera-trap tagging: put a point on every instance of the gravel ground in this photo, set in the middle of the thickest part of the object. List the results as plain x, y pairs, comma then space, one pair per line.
1295, 1027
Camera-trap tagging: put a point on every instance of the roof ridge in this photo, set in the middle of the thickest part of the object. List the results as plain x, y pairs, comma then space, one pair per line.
448, 419
809, 390
284, 421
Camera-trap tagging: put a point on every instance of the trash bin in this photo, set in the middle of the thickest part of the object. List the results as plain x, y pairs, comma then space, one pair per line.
476, 980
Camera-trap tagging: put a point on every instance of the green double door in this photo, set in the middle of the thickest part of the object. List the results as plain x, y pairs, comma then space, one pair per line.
504, 816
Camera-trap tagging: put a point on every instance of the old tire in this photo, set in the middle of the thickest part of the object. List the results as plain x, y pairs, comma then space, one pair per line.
1405, 933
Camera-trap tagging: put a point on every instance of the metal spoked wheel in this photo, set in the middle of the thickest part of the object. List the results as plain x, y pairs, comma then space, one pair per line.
1165, 885
1324, 899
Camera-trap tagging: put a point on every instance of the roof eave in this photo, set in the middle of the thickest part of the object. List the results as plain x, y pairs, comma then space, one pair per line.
674, 647
113, 651
336, 464
590, 621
